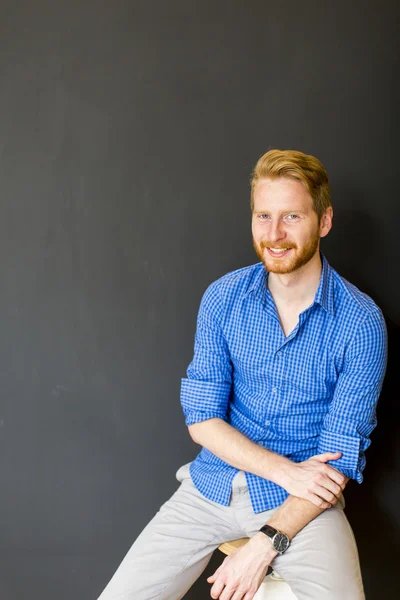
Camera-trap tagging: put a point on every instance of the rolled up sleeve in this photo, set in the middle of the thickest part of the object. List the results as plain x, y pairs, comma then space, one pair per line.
352, 412
206, 390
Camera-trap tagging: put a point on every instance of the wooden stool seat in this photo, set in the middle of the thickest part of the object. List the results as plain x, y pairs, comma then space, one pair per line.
273, 587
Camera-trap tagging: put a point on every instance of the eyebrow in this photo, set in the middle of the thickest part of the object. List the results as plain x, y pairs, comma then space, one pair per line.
289, 211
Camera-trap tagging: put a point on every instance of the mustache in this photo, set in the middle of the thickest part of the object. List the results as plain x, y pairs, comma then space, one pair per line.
268, 244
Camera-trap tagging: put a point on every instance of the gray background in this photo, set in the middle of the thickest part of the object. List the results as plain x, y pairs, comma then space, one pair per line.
128, 131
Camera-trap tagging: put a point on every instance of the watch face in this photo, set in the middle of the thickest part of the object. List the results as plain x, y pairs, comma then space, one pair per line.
281, 542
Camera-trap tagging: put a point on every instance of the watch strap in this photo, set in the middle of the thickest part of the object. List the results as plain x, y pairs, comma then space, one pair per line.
269, 530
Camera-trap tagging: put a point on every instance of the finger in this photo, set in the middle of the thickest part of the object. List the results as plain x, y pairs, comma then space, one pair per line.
249, 596
326, 488
238, 595
227, 594
335, 475
328, 456
334, 488
213, 577
319, 502
217, 588
325, 494
241, 595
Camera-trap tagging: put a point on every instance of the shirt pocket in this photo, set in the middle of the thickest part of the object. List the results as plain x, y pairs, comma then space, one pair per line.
253, 372
308, 379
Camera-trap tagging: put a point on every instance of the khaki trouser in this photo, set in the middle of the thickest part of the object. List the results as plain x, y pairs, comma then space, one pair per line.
175, 547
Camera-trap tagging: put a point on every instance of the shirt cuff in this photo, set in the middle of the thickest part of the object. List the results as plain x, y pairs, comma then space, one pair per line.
351, 462
203, 400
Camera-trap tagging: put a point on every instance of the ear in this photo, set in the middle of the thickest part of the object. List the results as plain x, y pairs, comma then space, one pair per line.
326, 222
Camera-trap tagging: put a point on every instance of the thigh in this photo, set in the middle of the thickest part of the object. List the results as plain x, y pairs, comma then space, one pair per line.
174, 548
322, 560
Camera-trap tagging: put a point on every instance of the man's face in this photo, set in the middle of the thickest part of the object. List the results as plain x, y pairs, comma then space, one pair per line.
286, 230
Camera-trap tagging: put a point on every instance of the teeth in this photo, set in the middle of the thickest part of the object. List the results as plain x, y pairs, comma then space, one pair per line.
278, 251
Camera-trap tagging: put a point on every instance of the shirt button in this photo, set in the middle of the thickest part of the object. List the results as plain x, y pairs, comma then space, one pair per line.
268, 422
274, 390
279, 353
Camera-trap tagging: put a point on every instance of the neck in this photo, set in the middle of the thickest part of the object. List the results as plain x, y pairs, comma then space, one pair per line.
297, 287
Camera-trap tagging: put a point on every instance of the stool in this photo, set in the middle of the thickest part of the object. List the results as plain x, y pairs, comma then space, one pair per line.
273, 587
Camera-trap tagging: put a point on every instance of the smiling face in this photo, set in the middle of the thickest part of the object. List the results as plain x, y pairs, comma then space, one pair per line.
286, 229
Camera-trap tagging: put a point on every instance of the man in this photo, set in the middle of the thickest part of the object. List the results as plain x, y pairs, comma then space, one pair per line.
281, 394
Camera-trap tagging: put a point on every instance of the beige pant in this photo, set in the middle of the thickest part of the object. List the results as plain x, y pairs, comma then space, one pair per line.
175, 547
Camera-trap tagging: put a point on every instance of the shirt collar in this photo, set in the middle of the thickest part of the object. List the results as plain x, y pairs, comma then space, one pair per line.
325, 292
324, 295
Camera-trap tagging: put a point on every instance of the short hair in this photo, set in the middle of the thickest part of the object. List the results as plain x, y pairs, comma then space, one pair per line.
293, 164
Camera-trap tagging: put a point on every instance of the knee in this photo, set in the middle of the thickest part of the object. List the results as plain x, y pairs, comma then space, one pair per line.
335, 589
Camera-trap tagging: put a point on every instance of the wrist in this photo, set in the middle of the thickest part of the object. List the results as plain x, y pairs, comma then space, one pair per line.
277, 469
263, 545
277, 524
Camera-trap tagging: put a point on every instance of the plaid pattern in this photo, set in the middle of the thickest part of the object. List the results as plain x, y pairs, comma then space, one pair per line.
312, 392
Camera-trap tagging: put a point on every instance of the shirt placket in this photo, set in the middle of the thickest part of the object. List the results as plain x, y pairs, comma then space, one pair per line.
277, 373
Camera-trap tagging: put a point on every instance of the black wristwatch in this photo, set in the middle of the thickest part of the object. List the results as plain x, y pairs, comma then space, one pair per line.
279, 540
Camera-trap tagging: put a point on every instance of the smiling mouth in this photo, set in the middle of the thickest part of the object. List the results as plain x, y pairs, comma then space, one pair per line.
278, 252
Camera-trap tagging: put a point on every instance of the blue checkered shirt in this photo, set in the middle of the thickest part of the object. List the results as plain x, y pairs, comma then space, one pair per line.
311, 392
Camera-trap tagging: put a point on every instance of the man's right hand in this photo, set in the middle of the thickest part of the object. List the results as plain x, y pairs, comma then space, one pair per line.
313, 480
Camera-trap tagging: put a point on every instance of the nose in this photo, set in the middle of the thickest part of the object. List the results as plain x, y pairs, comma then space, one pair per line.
276, 231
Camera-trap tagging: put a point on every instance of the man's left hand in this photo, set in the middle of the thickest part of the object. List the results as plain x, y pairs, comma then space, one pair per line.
243, 571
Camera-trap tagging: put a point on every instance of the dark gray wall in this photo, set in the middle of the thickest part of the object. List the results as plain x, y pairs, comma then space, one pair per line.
128, 130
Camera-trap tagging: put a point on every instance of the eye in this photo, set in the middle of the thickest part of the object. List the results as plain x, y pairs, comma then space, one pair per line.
292, 217
263, 216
